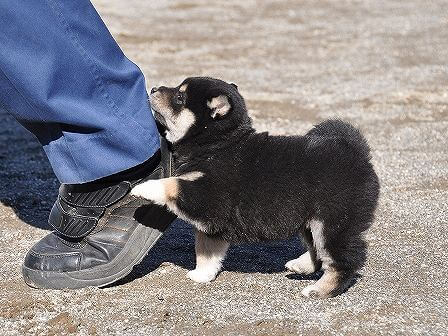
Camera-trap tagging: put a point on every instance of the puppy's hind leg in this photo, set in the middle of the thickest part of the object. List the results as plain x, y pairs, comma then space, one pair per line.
308, 262
342, 255
210, 253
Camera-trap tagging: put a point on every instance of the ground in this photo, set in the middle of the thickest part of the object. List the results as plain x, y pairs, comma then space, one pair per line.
381, 65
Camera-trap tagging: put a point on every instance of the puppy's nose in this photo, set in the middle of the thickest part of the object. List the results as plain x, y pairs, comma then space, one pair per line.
154, 89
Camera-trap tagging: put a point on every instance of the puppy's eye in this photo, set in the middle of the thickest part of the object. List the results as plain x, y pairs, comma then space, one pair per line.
179, 100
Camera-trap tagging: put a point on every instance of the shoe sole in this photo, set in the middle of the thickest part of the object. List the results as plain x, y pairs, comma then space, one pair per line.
131, 255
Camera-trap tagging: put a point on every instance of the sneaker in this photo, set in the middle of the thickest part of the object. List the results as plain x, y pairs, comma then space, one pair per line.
100, 231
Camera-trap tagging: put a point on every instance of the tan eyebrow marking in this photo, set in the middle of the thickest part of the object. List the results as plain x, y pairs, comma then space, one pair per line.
183, 88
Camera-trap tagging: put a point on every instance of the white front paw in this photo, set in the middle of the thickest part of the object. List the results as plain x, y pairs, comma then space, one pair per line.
139, 190
152, 190
201, 276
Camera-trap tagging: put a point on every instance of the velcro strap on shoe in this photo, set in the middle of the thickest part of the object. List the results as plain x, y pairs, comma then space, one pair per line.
93, 195
73, 222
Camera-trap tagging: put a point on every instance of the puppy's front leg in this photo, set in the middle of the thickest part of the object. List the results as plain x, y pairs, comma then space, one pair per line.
210, 253
158, 191
164, 191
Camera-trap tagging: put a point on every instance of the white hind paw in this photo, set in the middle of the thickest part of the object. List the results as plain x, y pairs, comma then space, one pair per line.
301, 265
312, 291
201, 276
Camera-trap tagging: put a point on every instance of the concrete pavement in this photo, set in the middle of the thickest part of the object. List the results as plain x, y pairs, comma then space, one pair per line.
381, 65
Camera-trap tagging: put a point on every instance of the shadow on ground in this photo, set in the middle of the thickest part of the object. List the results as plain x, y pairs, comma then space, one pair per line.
177, 247
27, 182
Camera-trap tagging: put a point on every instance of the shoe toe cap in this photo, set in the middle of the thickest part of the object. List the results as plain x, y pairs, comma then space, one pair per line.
50, 254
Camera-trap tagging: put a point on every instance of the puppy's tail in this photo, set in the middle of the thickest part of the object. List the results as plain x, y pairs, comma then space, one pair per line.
335, 128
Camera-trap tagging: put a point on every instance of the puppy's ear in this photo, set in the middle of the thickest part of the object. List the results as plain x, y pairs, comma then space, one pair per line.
234, 85
219, 106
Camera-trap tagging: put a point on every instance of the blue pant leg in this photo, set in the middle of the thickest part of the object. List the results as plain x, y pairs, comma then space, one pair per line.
64, 78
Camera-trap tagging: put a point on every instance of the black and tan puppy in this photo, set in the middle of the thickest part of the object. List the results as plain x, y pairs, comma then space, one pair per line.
236, 185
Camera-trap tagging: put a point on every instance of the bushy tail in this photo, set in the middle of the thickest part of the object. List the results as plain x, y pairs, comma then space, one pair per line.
340, 129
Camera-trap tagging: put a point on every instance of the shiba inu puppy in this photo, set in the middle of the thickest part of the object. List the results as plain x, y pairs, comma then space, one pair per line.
236, 185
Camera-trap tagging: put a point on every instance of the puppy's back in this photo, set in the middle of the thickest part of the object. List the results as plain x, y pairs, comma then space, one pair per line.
287, 180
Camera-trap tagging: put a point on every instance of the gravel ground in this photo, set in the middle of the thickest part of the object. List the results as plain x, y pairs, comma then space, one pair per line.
381, 65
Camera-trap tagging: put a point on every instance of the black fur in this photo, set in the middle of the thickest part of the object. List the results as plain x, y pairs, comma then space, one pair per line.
261, 187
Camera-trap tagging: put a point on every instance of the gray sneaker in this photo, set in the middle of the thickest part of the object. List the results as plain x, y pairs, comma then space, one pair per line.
101, 232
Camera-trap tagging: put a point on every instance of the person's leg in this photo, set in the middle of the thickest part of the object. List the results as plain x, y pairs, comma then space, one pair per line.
65, 79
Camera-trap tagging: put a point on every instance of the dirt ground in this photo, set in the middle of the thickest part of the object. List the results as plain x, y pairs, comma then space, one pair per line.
381, 65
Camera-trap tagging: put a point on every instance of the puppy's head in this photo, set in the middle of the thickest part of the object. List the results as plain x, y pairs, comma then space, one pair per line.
199, 106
